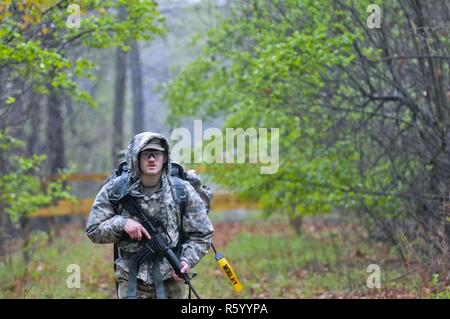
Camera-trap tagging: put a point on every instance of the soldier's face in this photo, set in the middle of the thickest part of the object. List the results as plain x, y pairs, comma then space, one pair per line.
151, 161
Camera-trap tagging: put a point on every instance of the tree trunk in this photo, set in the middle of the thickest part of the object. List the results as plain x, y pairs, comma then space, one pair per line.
119, 98
55, 144
3, 231
55, 133
295, 220
26, 241
33, 137
136, 87
119, 103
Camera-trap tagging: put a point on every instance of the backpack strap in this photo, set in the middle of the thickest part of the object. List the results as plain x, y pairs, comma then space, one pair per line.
181, 201
181, 194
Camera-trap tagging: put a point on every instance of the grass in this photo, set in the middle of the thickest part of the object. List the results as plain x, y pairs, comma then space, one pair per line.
323, 262
270, 260
270, 267
46, 275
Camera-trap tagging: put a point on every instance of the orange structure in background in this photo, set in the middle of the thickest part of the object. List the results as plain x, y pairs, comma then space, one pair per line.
82, 206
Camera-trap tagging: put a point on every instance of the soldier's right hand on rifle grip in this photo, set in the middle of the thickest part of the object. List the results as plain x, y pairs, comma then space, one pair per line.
135, 229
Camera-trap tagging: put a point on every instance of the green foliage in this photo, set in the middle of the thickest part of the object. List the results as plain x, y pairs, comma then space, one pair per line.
39, 50
21, 189
37, 45
265, 67
441, 291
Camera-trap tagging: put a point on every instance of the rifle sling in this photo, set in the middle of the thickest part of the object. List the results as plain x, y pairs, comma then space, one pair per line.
158, 283
136, 260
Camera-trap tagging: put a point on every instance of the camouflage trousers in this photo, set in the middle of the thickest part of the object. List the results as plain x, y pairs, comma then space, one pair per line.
173, 289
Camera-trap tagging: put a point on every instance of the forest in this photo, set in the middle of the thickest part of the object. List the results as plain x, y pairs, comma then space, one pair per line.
322, 128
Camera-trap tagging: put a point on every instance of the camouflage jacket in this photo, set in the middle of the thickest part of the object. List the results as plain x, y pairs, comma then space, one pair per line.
105, 224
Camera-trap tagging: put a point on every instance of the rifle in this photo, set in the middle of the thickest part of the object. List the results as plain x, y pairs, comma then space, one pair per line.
156, 245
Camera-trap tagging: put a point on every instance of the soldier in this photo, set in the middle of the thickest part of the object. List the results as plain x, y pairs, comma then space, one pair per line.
150, 183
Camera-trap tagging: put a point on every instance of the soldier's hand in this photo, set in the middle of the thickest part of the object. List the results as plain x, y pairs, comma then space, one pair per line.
184, 269
135, 229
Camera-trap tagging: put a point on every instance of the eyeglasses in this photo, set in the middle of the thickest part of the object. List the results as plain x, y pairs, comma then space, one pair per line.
149, 154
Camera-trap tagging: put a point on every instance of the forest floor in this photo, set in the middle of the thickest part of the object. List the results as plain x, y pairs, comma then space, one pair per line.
326, 260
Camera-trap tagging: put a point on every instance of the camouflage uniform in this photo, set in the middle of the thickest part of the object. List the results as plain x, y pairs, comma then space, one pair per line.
106, 225
174, 290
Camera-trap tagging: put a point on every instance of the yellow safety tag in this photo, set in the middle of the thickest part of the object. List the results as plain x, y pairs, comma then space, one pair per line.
229, 271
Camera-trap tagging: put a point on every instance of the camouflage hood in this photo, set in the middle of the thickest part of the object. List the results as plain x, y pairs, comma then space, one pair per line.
135, 146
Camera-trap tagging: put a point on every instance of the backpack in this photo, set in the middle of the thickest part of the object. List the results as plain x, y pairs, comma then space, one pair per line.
178, 174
